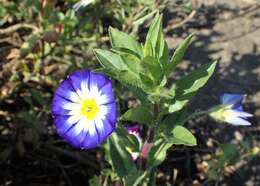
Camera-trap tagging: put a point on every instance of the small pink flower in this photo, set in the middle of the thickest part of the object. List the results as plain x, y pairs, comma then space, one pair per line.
135, 130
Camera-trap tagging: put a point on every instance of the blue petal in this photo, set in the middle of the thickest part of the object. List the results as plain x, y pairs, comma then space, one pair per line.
75, 136
78, 78
64, 123
92, 139
104, 86
113, 114
98, 80
58, 106
104, 128
234, 99
66, 91
106, 91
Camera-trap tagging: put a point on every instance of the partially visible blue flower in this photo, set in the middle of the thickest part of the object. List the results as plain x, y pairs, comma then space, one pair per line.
135, 130
82, 3
84, 109
231, 110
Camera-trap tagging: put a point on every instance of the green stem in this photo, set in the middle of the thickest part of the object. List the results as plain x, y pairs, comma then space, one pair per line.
149, 140
152, 178
195, 114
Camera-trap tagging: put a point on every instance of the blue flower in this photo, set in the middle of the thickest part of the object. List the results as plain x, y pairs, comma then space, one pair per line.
82, 3
84, 109
231, 110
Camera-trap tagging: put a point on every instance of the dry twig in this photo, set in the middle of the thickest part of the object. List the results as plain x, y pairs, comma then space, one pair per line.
181, 23
16, 27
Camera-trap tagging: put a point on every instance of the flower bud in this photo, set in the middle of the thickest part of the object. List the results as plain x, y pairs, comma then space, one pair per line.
230, 110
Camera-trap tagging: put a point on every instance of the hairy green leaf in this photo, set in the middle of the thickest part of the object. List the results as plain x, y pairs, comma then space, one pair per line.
178, 55
139, 93
187, 86
153, 69
118, 68
134, 178
182, 136
121, 160
195, 80
155, 44
133, 63
130, 140
110, 60
158, 152
122, 41
139, 114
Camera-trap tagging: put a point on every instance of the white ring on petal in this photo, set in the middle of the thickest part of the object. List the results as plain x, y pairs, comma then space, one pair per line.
242, 114
237, 121
237, 113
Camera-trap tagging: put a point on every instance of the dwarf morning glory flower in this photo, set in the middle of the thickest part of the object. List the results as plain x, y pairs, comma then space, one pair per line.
84, 109
82, 3
134, 130
231, 110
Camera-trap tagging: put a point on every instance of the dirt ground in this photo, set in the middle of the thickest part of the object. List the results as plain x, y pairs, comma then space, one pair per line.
230, 32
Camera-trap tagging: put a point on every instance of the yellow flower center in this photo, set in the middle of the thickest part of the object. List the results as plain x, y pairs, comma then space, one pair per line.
89, 108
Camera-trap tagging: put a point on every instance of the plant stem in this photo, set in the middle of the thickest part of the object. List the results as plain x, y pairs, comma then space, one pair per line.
149, 139
195, 114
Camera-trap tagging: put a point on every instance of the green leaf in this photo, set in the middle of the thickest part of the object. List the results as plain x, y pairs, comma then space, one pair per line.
134, 178
37, 96
164, 53
155, 40
124, 42
182, 136
138, 93
130, 140
139, 114
110, 60
153, 69
147, 82
195, 80
96, 180
231, 154
129, 78
121, 160
148, 49
158, 152
133, 63
187, 86
178, 105
155, 31
213, 174
178, 54
115, 66
27, 117
171, 120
